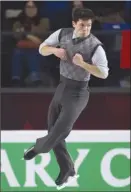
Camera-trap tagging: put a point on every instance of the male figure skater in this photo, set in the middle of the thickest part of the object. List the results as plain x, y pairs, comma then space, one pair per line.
81, 55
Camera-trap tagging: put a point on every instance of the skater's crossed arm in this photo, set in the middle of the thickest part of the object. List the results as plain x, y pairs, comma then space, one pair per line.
48, 47
99, 67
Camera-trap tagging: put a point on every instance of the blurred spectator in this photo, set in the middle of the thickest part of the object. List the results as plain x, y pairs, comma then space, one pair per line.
8, 12
112, 17
125, 82
97, 24
78, 4
29, 28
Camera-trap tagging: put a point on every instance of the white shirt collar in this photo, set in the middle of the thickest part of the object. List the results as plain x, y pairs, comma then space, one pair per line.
74, 35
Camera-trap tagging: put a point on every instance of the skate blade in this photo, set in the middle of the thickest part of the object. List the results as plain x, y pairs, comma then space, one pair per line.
70, 180
29, 150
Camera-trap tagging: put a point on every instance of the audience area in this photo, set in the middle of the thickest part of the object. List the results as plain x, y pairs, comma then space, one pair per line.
26, 24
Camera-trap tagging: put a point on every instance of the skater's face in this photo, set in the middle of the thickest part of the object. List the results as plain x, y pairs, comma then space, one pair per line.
82, 27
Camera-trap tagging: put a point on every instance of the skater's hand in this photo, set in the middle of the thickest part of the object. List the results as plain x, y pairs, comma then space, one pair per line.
78, 59
60, 53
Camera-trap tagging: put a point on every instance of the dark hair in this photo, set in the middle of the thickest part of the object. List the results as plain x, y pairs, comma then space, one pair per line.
25, 20
82, 13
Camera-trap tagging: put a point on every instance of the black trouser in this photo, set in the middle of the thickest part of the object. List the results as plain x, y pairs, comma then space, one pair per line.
70, 98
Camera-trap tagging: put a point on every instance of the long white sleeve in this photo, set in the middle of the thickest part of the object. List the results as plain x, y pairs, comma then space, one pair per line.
52, 40
100, 60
